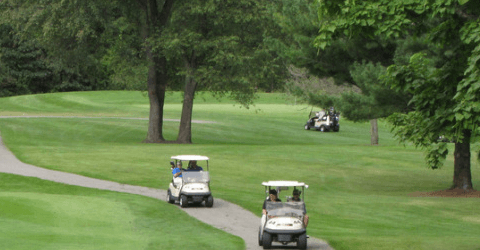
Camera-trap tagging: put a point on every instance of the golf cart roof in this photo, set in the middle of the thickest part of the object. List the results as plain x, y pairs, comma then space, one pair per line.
284, 184
190, 158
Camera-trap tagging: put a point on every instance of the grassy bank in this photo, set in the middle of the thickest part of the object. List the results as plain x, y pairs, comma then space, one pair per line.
37, 214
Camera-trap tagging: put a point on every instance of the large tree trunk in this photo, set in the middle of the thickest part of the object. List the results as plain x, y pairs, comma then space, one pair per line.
185, 128
157, 73
373, 132
156, 95
462, 176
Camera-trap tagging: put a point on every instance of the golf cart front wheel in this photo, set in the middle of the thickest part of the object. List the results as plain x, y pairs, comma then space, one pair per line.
307, 127
209, 201
267, 240
183, 201
169, 197
302, 241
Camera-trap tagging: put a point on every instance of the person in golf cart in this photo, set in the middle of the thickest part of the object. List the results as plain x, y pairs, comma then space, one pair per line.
177, 172
296, 197
192, 166
272, 196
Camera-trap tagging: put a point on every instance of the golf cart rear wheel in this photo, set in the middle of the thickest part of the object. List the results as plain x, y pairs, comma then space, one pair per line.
322, 129
302, 241
183, 201
209, 201
267, 240
169, 197
307, 127
260, 241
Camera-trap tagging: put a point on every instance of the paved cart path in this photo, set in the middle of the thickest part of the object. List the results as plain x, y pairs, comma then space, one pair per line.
223, 215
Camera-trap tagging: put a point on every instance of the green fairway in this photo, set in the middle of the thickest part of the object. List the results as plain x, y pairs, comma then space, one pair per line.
359, 195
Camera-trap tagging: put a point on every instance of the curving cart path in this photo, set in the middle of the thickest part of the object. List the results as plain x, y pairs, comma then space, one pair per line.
224, 215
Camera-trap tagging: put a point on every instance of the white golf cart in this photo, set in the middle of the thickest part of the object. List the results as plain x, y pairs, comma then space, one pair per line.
193, 186
284, 222
324, 121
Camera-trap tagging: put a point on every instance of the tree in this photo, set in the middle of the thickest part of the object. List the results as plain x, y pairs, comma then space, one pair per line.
156, 17
442, 80
299, 21
375, 99
215, 45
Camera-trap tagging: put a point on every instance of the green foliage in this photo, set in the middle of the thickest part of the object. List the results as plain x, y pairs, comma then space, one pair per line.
24, 68
219, 44
71, 36
291, 38
441, 75
375, 100
125, 59
339, 62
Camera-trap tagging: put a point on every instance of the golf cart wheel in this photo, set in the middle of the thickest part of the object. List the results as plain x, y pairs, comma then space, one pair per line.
307, 127
302, 241
260, 241
169, 197
322, 129
209, 201
183, 201
267, 240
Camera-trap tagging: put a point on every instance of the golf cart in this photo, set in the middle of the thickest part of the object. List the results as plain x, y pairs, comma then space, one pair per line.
324, 121
193, 185
284, 221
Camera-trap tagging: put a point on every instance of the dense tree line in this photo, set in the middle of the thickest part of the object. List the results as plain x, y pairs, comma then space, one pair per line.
26, 68
75, 46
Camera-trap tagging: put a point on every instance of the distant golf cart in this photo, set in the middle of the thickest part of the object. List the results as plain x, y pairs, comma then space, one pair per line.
284, 222
192, 186
324, 121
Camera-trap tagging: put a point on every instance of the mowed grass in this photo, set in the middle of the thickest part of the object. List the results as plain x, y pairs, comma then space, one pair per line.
359, 195
38, 214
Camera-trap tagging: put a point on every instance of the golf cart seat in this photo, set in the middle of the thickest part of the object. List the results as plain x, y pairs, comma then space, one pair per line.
177, 181
290, 199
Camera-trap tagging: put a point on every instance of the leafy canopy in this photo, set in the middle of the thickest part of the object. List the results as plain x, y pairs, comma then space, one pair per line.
443, 77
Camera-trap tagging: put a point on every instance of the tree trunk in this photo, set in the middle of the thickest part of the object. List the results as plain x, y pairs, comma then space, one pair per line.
462, 176
157, 73
156, 94
185, 128
373, 132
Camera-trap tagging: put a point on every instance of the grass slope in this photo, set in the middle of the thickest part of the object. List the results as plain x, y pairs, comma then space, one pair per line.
38, 214
358, 196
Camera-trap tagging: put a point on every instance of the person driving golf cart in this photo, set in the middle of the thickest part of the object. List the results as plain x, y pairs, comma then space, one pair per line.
272, 196
192, 166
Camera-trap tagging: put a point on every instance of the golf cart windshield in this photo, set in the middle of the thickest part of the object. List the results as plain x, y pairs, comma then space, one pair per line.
295, 209
195, 177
